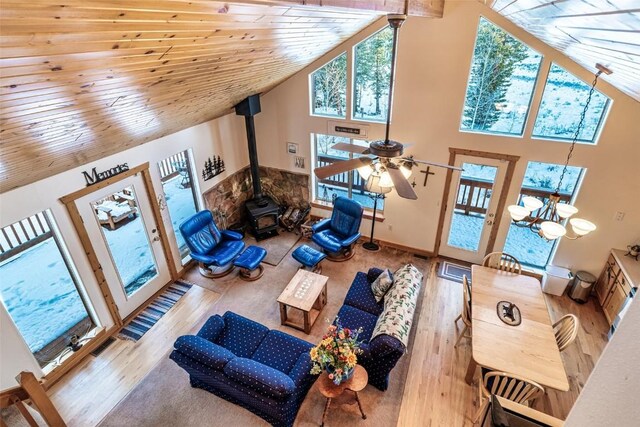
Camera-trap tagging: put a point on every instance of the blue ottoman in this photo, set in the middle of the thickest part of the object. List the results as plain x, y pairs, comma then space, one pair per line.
249, 261
309, 257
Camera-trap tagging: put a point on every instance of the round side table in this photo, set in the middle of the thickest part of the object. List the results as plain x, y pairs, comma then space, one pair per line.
356, 383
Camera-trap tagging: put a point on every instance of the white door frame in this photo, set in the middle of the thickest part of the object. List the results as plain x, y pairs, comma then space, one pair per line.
69, 201
509, 161
126, 304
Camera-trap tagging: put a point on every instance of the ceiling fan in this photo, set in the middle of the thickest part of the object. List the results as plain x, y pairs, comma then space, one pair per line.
383, 158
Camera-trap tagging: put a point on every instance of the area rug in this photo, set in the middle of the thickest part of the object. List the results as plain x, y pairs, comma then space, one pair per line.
452, 271
277, 247
165, 397
148, 317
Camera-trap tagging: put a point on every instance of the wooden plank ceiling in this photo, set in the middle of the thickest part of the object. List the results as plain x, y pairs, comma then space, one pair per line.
83, 79
587, 31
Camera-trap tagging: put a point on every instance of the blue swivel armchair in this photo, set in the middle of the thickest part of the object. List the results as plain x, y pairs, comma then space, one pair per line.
338, 234
214, 250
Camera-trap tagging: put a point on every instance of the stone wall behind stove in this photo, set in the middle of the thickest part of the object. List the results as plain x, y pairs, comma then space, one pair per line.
285, 187
226, 199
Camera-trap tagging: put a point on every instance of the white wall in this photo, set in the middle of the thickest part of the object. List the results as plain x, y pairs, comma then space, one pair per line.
433, 66
224, 136
610, 396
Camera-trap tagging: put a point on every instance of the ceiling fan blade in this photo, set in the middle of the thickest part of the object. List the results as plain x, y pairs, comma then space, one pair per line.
351, 148
341, 166
403, 187
440, 165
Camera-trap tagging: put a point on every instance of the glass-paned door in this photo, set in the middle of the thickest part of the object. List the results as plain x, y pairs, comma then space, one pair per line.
471, 208
179, 188
123, 232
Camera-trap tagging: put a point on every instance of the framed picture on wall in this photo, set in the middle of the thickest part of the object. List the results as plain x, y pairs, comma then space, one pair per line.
292, 148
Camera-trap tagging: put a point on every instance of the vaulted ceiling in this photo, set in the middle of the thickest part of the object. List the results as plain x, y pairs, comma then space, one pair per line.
587, 31
83, 79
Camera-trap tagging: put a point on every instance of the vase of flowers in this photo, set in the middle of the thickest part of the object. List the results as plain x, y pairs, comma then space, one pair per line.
337, 353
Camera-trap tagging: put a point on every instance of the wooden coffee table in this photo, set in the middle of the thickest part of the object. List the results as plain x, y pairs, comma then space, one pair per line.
356, 383
306, 292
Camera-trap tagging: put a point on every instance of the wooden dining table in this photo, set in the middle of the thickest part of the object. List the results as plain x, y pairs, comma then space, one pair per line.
528, 349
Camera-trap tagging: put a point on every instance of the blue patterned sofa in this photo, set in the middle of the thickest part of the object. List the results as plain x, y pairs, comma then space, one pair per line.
242, 361
385, 325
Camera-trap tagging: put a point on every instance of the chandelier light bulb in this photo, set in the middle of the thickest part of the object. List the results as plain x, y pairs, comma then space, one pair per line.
552, 230
582, 227
565, 210
532, 203
518, 212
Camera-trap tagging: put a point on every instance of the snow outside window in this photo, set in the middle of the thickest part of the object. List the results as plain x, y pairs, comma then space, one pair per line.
329, 88
501, 82
562, 103
540, 179
349, 184
372, 67
39, 288
178, 186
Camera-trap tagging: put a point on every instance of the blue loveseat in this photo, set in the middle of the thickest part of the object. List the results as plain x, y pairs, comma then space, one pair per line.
360, 309
242, 361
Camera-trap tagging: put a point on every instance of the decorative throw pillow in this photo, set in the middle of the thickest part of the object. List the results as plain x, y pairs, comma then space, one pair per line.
382, 284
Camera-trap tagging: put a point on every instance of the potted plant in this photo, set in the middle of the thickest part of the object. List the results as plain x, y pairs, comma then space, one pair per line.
337, 353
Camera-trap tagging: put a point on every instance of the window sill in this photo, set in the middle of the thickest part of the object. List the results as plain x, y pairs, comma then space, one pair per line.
368, 213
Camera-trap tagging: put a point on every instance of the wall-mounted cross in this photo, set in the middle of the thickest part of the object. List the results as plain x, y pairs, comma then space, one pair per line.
426, 173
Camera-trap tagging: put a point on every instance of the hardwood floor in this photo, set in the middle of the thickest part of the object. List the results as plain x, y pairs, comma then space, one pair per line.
435, 393
111, 375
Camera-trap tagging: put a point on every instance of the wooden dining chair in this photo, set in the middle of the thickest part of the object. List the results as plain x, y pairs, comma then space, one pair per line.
502, 261
566, 330
466, 311
508, 386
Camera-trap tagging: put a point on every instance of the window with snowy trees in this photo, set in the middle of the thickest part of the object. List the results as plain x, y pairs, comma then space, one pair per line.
501, 82
372, 70
562, 104
540, 180
349, 184
39, 288
329, 88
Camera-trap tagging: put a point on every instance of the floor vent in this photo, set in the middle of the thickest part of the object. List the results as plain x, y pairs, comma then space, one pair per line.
421, 256
103, 346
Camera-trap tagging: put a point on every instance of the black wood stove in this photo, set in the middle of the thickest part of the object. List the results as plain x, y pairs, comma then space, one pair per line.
262, 210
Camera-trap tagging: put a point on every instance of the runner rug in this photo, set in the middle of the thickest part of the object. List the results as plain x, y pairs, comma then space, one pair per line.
148, 317
452, 271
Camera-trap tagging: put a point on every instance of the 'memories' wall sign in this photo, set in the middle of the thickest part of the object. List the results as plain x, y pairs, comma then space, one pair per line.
95, 177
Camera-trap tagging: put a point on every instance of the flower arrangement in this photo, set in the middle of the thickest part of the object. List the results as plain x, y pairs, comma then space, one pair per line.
337, 353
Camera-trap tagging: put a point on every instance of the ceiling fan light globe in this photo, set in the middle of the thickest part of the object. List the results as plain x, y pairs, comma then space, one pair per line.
365, 172
582, 227
373, 184
552, 230
406, 171
565, 210
517, 212
385, 180
532, 203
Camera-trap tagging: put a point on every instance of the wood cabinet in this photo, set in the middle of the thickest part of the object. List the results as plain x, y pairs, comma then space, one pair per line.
618, 276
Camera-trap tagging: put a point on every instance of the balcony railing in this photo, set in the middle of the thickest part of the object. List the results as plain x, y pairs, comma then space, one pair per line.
341, 180
474, 196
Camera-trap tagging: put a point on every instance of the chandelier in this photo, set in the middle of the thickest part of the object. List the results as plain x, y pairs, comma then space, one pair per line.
548, 222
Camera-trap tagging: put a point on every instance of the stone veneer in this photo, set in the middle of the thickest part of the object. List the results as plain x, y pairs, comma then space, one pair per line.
226, 199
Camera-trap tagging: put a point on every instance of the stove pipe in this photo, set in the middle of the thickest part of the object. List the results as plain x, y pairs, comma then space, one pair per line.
248, 108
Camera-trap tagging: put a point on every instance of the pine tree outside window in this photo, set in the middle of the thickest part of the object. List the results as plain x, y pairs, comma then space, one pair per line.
371, 76
562, 103
501, 82
329, 88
